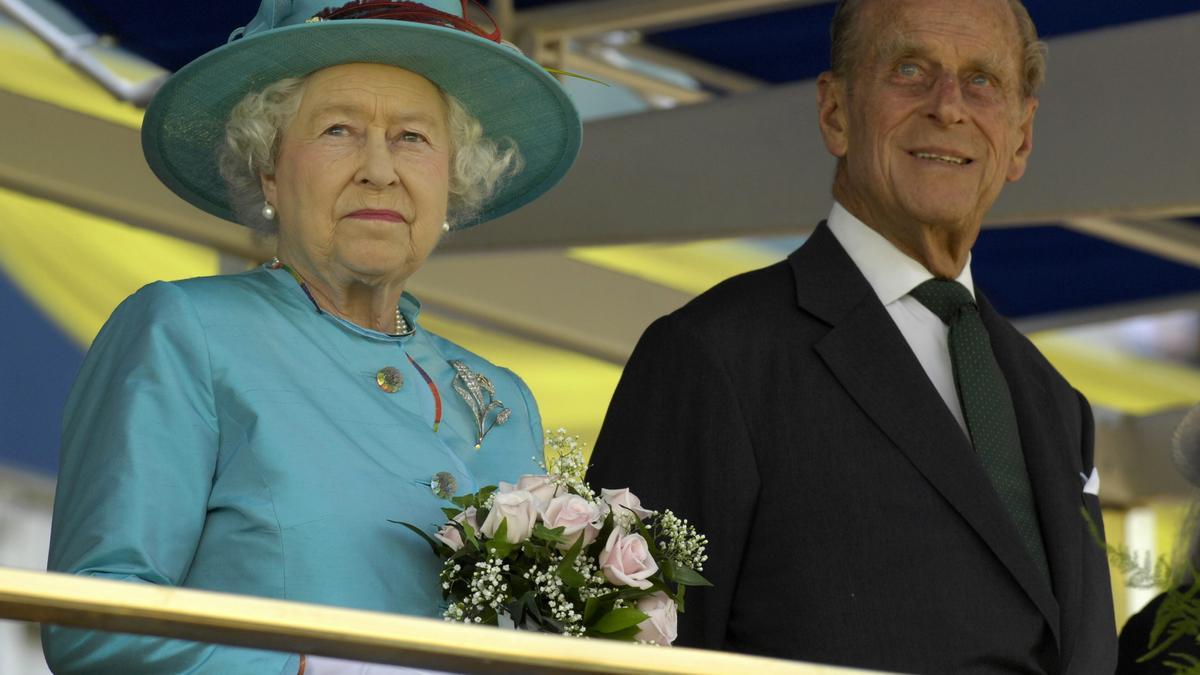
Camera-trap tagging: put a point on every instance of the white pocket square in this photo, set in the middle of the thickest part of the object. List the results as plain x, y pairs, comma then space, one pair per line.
1091, 484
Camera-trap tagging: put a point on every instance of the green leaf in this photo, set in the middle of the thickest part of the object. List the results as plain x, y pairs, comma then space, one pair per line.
470, 535
688, 576
632, 593
465, 552
436, 545
544, 533
619, 619
451, 512
591, 606
626, 635
572, 553
566, 568
498, 544
518, 608
572, 578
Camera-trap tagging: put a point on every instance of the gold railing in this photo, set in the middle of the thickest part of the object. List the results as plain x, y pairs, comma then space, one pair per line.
331, 631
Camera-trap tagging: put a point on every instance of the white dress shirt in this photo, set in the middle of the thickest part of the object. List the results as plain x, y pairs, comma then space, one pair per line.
892, 275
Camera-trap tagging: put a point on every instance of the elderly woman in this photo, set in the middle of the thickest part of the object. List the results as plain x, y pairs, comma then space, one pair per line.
256, 433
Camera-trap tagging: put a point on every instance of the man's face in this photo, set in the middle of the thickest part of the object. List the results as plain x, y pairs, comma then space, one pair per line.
931, 122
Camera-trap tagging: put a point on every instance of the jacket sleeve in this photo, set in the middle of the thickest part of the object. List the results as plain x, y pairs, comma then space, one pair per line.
675, 434
139, 450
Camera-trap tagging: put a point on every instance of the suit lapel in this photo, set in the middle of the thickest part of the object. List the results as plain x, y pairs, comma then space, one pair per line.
1045, 442
868, 355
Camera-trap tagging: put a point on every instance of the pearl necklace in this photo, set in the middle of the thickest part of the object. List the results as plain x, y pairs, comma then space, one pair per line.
402, 327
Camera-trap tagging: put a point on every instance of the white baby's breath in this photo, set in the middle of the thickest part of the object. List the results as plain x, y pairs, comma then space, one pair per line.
681, 542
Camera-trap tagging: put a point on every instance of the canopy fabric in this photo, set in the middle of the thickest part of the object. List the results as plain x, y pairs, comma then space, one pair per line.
62, 272
32, 69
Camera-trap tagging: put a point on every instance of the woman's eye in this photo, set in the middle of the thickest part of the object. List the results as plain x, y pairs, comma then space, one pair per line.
412, 137
337, 130
908, 69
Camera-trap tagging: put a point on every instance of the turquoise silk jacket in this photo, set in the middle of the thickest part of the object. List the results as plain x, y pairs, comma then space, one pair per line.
224, 434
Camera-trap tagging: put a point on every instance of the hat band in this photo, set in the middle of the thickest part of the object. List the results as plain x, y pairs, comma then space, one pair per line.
408, 10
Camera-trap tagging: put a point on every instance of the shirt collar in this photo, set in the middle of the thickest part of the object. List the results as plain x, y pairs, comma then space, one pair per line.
890, 272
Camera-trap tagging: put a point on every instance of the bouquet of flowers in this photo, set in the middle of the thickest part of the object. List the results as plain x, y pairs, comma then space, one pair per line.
549, 554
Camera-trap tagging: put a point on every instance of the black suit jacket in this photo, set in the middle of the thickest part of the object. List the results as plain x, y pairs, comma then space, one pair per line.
849, 517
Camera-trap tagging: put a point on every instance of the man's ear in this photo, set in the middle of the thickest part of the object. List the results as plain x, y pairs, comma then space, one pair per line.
1020, 159
831, 113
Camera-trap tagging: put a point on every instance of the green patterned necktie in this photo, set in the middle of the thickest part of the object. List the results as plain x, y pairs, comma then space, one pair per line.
987, 406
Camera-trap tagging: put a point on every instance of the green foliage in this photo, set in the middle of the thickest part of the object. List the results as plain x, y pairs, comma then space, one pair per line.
1177, 618
1186, 665
438, 547
684, 576
1179, 615
619, 619
498, 545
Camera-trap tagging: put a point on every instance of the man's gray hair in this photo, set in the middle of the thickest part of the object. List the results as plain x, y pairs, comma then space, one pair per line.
847, 44
477, 164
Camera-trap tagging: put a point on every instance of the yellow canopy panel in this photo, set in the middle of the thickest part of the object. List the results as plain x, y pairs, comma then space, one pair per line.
78, 267
1110, 378
31, 69
692, 267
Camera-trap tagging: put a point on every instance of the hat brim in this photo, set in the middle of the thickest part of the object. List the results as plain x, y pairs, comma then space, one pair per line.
514, 98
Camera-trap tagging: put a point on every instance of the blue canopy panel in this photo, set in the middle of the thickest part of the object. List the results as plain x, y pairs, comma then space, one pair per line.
794, 44
776, 47
42, 361
1028, 271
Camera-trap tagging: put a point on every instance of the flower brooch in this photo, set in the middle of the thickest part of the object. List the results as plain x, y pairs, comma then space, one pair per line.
479, 392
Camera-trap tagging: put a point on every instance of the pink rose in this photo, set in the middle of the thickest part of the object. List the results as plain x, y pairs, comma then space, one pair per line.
539, 486
577, 516
450, 536
518, 509
626, 560
624, 501
660, 624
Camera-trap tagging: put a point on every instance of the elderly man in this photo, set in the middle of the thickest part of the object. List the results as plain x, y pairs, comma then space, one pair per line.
891, 476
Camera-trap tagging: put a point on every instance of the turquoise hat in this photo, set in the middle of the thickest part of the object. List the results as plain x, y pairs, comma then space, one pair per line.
512, 96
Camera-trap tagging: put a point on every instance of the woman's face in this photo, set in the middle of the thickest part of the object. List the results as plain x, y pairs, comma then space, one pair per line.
362, 176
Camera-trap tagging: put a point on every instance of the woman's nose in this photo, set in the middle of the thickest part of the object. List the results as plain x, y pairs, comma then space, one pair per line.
376, 167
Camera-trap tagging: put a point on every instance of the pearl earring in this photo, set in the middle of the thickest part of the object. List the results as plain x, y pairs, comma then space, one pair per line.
445, 227
268, 211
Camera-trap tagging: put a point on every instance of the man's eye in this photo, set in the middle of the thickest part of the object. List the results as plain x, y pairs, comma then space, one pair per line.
412, 137
981, 80
908, 69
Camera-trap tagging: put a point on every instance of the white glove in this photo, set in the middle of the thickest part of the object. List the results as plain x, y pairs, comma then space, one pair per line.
323, 665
